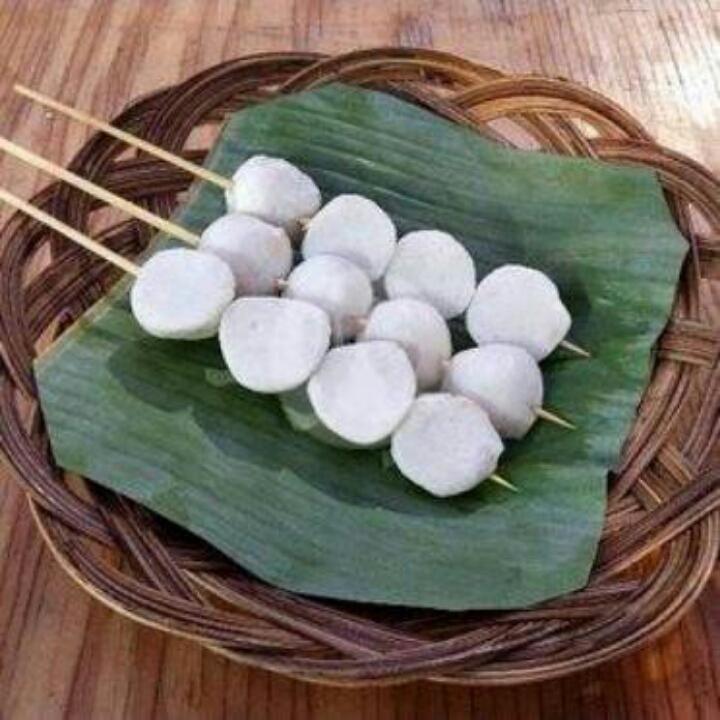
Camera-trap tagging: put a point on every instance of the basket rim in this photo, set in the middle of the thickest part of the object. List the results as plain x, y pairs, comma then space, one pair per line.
671, 493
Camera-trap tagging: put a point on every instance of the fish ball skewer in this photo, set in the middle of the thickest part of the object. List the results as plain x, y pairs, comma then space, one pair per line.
197, 170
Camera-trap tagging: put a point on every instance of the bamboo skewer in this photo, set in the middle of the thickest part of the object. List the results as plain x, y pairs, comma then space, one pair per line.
498, 479
136, 142
553, 418
98, 192
572, 347
77, 237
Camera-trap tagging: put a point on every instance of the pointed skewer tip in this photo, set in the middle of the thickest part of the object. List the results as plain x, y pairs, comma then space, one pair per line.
553, 418
499, 480
573, 348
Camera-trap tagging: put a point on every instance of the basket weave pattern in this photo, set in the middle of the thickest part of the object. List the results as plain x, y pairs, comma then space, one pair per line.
661, 534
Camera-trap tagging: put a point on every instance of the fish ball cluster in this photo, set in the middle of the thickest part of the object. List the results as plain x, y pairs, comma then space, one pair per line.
351, 369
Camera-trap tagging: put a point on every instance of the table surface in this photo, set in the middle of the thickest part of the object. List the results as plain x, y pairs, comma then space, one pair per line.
63, 654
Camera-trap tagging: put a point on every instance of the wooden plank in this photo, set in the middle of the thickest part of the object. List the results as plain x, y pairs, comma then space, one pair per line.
64, 655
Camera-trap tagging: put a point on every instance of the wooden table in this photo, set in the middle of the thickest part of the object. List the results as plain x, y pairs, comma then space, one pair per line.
63, 654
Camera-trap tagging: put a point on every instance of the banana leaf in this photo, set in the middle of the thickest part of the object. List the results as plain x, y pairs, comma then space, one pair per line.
163, 423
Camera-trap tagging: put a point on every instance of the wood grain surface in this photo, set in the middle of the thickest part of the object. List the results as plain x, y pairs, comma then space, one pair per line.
63, 654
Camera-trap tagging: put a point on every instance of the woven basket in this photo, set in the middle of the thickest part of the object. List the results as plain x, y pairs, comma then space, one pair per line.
661, 534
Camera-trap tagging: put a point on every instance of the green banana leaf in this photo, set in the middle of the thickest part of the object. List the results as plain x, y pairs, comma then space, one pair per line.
163, 423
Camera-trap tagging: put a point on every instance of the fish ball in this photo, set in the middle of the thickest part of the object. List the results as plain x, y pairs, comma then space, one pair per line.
259, 254
505, 380
271, 345
337, 286
432, 266
361, 392
181, 294
521, 306
446, 444
273, 190
355, 228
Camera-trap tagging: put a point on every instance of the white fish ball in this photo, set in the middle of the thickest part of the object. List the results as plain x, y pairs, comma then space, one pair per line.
181, 294
420, 329
433, 266
355, 228
361, 392
273, 190
521, 306
504, 379
337, 286
446, 444
259, 254
271, 345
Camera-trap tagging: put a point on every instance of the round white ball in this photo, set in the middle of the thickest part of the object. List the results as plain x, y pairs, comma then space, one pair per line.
259, 254
356, 229
337, 286
181, 294
446, 444
521, 306
271, 345
361, 392
504, 379
432, 266
421, 331
273, 190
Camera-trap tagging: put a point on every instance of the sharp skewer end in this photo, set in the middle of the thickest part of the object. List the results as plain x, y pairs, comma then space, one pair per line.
499, 480
573, 348
553, 418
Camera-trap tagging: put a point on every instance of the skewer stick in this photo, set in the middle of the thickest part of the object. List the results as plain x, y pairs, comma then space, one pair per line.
144, 145
503, 482
77, 237
572, 347
98, 192
553, 418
